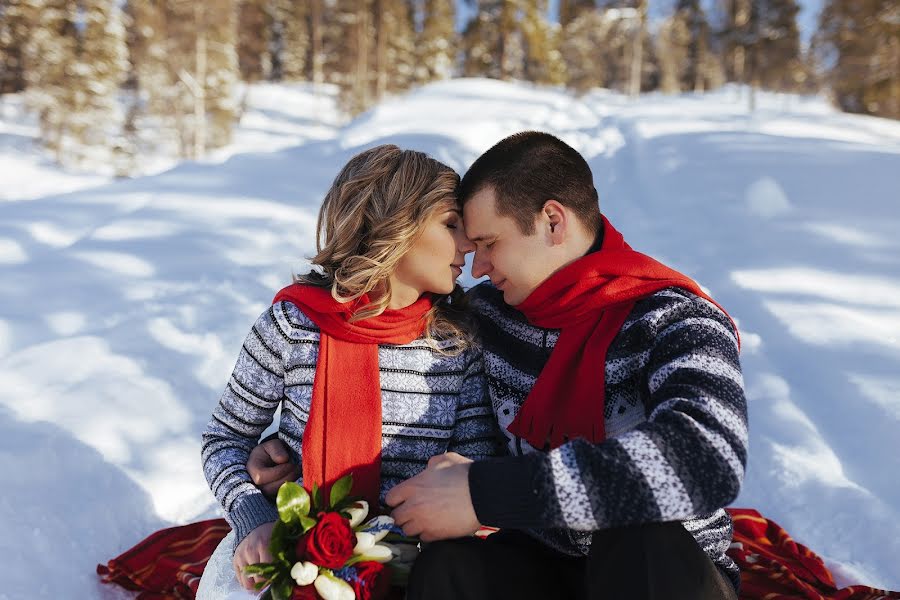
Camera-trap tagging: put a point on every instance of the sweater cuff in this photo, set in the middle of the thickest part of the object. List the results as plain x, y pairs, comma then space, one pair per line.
505, 493
248, 513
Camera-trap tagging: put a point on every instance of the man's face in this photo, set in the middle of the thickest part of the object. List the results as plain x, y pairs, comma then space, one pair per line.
516, 263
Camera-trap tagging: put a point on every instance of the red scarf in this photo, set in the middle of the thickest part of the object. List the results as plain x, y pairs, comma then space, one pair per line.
343, 434
589, 299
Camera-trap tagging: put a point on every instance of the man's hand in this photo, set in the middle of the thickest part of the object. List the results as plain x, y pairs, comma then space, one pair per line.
435, 504
270, 465
253, 549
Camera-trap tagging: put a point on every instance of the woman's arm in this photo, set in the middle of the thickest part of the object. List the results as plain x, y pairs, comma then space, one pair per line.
245, 410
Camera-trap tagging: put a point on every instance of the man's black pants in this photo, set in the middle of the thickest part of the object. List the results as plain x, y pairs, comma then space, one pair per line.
646, 562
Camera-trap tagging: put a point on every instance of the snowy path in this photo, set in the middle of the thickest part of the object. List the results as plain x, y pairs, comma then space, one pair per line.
124, 303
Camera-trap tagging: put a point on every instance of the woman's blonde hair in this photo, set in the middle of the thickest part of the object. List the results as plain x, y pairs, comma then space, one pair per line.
370, 218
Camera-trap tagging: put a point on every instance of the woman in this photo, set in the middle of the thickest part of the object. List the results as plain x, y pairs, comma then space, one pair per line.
369, 351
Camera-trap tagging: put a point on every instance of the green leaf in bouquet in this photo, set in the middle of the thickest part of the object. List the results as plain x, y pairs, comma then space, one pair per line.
292, 502
282, 588
281, 545
344, 505
266, 595
307, 523
317, 499
265, 570
340, 490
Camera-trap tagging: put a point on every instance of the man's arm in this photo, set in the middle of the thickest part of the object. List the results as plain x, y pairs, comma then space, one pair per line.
270, 466
687, 459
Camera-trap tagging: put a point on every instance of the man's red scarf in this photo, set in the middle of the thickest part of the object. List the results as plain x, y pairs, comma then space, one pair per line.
589, 300
343, 433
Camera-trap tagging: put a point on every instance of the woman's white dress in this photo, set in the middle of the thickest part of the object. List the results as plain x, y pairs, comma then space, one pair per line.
219, 581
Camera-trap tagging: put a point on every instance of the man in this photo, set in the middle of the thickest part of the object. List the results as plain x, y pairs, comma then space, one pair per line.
617, 384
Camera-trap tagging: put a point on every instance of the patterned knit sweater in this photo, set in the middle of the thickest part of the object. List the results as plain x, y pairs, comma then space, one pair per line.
431, 403
676, 423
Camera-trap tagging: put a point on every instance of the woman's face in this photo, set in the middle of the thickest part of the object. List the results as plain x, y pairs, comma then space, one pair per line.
437, 257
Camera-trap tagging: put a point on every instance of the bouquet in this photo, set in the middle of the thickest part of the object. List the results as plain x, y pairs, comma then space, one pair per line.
325, 550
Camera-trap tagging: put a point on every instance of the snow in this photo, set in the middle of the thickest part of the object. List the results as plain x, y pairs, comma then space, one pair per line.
124, 302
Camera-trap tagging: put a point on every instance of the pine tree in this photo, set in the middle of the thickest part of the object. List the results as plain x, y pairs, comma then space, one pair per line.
436, 43
686, 59
187, 68
762, 43
673, 39
14, 31
586, 42
395, 54
255, 26
292, 24
599, 51
222, 74
543, 60
569, 10
777, 53
51, 48
481, 43
351, 63
75, 62
858, 43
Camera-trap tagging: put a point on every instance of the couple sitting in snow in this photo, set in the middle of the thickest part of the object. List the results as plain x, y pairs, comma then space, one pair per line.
588, 401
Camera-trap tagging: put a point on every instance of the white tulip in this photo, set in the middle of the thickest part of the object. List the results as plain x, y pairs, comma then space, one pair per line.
358, 512
304, 573
333, 588
380, 526
364, 541
378, 553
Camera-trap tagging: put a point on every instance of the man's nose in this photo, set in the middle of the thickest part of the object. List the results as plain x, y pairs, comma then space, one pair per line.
480, 266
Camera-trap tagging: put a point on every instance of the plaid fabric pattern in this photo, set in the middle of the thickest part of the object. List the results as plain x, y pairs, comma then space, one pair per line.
775, 567
169, 563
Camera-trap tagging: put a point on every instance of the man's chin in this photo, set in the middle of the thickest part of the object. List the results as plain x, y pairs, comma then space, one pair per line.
511, 298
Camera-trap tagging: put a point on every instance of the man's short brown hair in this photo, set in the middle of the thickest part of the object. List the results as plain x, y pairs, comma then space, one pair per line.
525, 170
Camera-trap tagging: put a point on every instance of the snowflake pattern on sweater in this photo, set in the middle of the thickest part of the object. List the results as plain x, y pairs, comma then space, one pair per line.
431, 403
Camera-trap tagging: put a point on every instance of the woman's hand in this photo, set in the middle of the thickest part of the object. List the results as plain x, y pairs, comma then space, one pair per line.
253, 549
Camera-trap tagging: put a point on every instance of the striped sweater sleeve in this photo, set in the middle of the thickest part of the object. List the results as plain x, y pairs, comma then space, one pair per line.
246, 408
475, 433
687, 459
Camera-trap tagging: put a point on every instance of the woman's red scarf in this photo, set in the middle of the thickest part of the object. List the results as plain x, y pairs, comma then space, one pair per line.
343, 433
589, 300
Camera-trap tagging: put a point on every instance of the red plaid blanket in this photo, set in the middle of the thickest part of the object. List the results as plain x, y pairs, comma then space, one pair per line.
169, 563
775, 567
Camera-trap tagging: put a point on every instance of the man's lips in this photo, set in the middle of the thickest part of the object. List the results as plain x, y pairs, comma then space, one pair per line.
457, 270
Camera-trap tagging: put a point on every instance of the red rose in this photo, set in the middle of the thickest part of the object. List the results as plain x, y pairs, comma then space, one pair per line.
307, 592
373, 581
329, 544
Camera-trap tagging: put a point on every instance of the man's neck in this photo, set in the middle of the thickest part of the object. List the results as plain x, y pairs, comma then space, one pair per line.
598, 243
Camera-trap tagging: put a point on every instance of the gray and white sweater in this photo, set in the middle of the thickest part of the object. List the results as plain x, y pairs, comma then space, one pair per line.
431, 403
676, 424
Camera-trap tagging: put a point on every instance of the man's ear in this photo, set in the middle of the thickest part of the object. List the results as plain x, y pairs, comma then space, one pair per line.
555, 218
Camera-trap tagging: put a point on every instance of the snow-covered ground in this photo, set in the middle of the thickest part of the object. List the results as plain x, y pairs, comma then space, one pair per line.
123, 303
